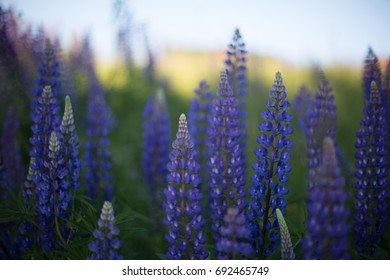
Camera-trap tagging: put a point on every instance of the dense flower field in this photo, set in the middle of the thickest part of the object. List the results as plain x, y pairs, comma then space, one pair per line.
188, 185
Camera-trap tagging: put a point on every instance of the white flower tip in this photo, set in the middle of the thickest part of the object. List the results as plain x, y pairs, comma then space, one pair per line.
182, 117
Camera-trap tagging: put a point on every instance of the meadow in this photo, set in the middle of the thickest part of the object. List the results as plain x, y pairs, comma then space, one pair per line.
109, 106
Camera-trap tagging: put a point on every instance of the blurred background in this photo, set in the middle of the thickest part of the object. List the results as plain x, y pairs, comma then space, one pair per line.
300, 32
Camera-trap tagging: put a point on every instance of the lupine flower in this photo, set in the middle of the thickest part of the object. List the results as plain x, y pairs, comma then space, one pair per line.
287, 248
97, 156
270, 171
326, 234
372, 171
45, 121
106, 243
302, 105
236, 68
183, 203
125, 31
155, 147
235, 236
48, 71
322, 123
386, 94
150, 65
71, 145
386, 80
371, 72
53, 196
45, 107
226, 165
236, 73
198, 119
25, 239
99, 120
10, 153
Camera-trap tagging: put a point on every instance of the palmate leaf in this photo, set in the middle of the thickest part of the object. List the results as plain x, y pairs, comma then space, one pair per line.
84, 221
9, 215
14, 209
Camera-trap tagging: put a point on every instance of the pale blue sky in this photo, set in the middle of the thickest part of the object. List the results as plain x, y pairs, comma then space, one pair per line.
300, 31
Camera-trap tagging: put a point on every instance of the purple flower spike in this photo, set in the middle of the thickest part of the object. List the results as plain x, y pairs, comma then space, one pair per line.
53, 197
302, 104
97, 156
198, 119
226, 163
155, 148
372, 171
45, 120
386, 82
327, 228
322, 123
236, 69
235, 235
371, 72
105, 244
271, 170
183, 200
48, 71
71, 145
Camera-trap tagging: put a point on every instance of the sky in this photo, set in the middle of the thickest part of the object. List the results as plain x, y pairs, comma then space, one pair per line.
298, 31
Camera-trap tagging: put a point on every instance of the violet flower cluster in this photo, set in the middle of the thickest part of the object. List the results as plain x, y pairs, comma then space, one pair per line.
183, 200
386, 80
70, 145
155, 147
236, 72
45, 121
226, 164
302, 105
327, 228
270, 171
53, 197
371, 72
321, 123
47, 183
386, 94
235, 237
48, 71
372, 171
45, 115
97, 157
105, 243
26, 236
198, 119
